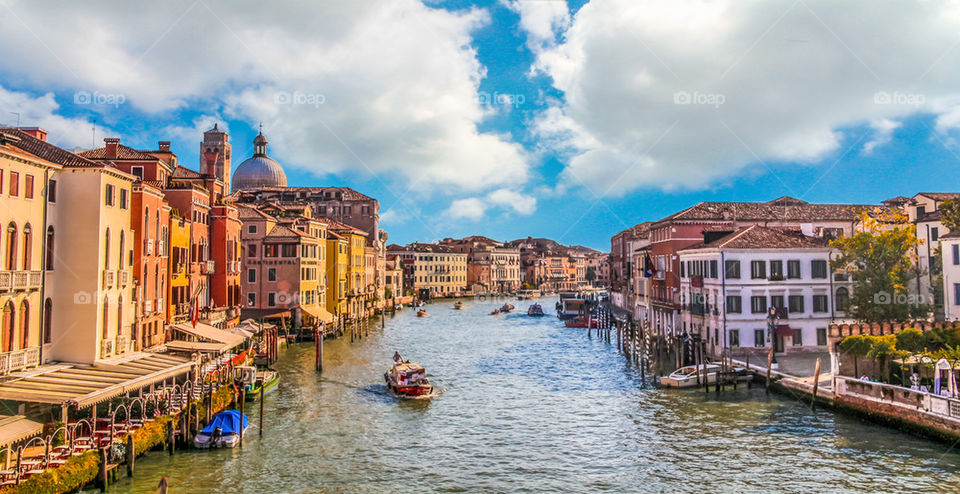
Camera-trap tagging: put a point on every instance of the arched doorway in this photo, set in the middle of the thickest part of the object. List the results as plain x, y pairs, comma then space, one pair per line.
47, 321
24, 325
6, 327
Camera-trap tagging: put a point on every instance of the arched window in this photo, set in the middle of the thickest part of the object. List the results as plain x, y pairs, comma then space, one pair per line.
106, 249
842, 300
24, 325
105, 314
120, 315
27, 247
11, 263
48, 321
6, 326
49, 249
121, 251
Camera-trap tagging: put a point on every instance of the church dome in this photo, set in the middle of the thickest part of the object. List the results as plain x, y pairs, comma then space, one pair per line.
259, 170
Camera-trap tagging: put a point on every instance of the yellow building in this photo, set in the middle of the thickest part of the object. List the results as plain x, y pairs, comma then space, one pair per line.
337, 264
356, 276
24, 179
178, 289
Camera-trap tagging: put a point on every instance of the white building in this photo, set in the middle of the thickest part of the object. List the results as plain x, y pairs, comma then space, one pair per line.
950, 245
922, 210
729, 282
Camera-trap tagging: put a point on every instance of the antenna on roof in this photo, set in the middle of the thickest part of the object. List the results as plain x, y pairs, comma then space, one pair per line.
18, 117
93, 137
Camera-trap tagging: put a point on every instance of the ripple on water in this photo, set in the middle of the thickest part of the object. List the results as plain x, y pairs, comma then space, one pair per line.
532, 406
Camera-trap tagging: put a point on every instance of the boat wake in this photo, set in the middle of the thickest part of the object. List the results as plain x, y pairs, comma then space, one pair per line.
433, 394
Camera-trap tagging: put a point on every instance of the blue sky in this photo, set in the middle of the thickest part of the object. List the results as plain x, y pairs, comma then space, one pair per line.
568, 120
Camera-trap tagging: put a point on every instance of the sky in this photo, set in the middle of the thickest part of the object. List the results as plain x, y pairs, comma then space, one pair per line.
507, 118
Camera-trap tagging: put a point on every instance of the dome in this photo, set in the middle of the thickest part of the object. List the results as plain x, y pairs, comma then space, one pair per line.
259, 170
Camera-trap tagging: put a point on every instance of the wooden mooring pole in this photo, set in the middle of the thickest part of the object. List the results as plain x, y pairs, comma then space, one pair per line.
102, 476
131, 455
243, 399
769, 366
262, 392
816, 383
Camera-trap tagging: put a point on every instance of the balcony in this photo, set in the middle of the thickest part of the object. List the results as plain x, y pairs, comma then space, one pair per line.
161, 248
660, 275
124, 277
148, 306
108, 277
148, 248
20, 280
19, 360
208, 267
123, 344
776, 277
106, 348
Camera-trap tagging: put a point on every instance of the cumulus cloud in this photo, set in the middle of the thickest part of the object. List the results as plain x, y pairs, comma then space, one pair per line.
513, 200
541, 21
375, 87
43, 111
471, 208
882, 134
683, 94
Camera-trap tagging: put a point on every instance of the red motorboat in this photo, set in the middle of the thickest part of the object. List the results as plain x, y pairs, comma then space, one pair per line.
581, 322
408, 379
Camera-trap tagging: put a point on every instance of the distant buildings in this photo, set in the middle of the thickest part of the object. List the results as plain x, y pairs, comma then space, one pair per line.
432, 270
492, 266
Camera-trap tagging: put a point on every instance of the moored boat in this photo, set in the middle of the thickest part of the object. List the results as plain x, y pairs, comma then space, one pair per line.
223, 431
571, 305
257, 381
691, 375
407, 379
535, 310
582, 322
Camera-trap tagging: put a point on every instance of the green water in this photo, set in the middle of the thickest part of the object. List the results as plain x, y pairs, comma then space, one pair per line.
530, 405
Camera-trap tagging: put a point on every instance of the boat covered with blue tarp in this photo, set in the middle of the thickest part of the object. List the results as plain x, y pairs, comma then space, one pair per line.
223, 431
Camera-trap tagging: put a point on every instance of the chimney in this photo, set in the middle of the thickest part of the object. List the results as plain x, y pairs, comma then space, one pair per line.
163, 145
110, 145
36, 132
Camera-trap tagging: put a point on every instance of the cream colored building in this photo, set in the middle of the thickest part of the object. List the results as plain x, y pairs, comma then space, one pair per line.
434, 270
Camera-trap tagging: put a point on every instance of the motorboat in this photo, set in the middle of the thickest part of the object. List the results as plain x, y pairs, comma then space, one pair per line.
528, 294
495, 312
582, 322
256, 381
535, 310
459, 306
407, 379
422, 313
223, 431
686, 377
506, 308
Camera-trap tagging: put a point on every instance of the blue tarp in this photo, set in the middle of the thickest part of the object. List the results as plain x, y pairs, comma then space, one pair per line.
228, 421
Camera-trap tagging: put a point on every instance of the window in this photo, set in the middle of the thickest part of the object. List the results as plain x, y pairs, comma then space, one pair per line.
271, 299
272, 274
713, 268
758, 338
48, 255
956, 293
14, 184
251, 276
842, 299
797, 337
818, 268
270, 250
956, 254
758, 269
27, 247
108, 195
776, 270
733, 304
251, 299
137, 171
252, 229
793, 270
758, 304
28, 186
795, 303
733, 269
289, 250
734, 338
682, 271
52, 191
820, 303
821, 336
47, 320
124, 204
934, 234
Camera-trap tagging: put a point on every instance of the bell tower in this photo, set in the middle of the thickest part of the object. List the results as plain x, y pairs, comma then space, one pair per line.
215, 155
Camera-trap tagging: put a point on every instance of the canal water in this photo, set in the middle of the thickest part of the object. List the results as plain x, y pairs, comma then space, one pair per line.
529, 405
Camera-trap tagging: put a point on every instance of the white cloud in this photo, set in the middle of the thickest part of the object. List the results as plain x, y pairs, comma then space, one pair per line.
685, 94
42, 111
882, 134
374, 87
542, 20
516, 201
471, 208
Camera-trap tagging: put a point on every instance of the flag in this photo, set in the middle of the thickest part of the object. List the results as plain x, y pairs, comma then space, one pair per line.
648, 268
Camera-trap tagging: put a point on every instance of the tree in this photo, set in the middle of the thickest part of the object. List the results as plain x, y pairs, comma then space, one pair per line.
882, 348
591, 275
857, 346
880, 255
910, 340
950, 213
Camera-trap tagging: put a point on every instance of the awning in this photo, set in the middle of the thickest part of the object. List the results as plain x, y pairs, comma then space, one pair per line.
84, 385
320, 314
16, 427
783, 330
196, 346
209, 333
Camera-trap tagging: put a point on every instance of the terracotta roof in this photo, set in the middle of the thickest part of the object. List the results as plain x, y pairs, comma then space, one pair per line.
123, 153
948, 235
45, 150
939, 196
334, 236
422, 247
761, 237
283, 231
338, 226
347, 193
782, 209
184, 172
247, 212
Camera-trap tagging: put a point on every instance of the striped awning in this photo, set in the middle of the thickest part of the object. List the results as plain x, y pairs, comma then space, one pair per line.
13, 428
207, 333
85, 385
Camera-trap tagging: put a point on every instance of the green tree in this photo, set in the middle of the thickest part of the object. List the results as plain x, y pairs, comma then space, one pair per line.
880, 257
910, 340
857, 346
882, 349
950, 213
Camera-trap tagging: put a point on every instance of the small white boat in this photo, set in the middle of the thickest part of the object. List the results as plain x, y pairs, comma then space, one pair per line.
459, 306
223, 431
686, 377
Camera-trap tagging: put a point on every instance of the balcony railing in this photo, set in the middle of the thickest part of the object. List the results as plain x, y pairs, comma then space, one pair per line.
19, 359
208, 267
148, 248
148, 306
108, 277
106, 348
20, 280
124, 276
123, 344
